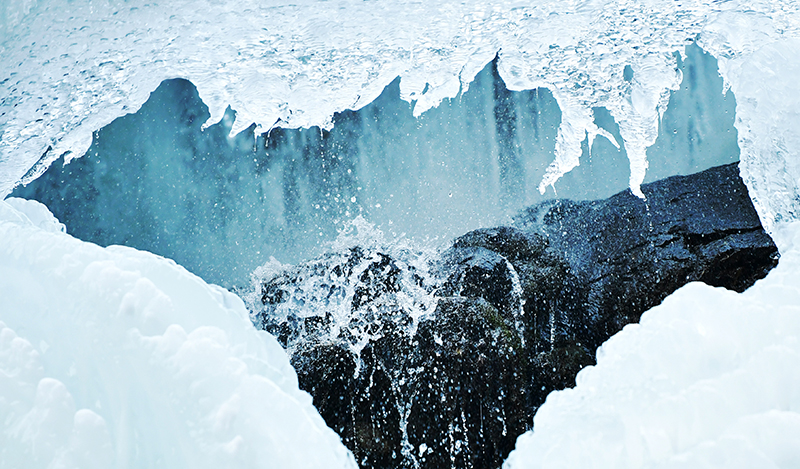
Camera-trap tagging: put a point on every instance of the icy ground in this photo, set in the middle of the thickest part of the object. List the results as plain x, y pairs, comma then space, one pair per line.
112, 357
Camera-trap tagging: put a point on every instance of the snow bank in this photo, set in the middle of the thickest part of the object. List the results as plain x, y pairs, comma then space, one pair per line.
119, 358
710, 378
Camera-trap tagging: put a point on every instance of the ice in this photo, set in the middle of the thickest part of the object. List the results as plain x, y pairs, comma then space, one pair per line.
767, 112
36, 213
76, 66
112, 354
112, 357
154, 181
710, 378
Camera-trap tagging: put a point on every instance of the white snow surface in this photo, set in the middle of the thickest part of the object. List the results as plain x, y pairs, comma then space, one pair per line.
113, 357
710, 378
70, 67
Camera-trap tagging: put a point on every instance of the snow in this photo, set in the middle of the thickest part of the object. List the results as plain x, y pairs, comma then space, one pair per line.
709, 378
112, 357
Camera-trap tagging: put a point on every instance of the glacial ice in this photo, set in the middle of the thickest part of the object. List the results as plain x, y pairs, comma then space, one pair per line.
112, 357
709, 378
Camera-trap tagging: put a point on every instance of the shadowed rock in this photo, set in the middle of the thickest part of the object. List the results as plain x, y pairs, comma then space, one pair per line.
444, 364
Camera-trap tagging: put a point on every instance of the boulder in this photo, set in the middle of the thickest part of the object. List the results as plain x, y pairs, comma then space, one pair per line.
442, 361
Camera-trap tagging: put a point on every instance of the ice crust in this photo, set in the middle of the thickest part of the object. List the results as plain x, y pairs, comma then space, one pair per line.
709, 378
75, 66
113, 357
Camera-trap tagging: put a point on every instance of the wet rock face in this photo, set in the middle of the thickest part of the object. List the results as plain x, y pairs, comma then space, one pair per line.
628, 254
442, 362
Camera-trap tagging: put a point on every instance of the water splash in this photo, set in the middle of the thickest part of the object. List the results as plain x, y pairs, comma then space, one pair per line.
346, 296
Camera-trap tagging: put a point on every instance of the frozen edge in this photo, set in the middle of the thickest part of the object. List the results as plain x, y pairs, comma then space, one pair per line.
424, 84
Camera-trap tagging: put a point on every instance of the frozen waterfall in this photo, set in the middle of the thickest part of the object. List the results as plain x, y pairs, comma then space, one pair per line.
472, 162
290, 119
296, 65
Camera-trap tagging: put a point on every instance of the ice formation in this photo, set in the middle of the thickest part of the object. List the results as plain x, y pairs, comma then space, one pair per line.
102, 349
112, 357
709, 378
75, 67
471, 162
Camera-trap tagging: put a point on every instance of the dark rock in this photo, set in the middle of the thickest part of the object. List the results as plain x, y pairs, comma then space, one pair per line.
470, 392
443, 363
628, 254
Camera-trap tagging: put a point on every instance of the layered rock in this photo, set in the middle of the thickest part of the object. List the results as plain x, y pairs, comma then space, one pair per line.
442, 361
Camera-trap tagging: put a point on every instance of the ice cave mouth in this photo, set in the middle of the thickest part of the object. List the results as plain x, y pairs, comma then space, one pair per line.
356, 346
222, 205
367, 315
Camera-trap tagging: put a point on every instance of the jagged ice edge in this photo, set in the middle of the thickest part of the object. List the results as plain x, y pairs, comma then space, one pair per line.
74, 71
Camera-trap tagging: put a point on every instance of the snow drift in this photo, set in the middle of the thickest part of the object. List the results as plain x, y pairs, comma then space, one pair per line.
119, 358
